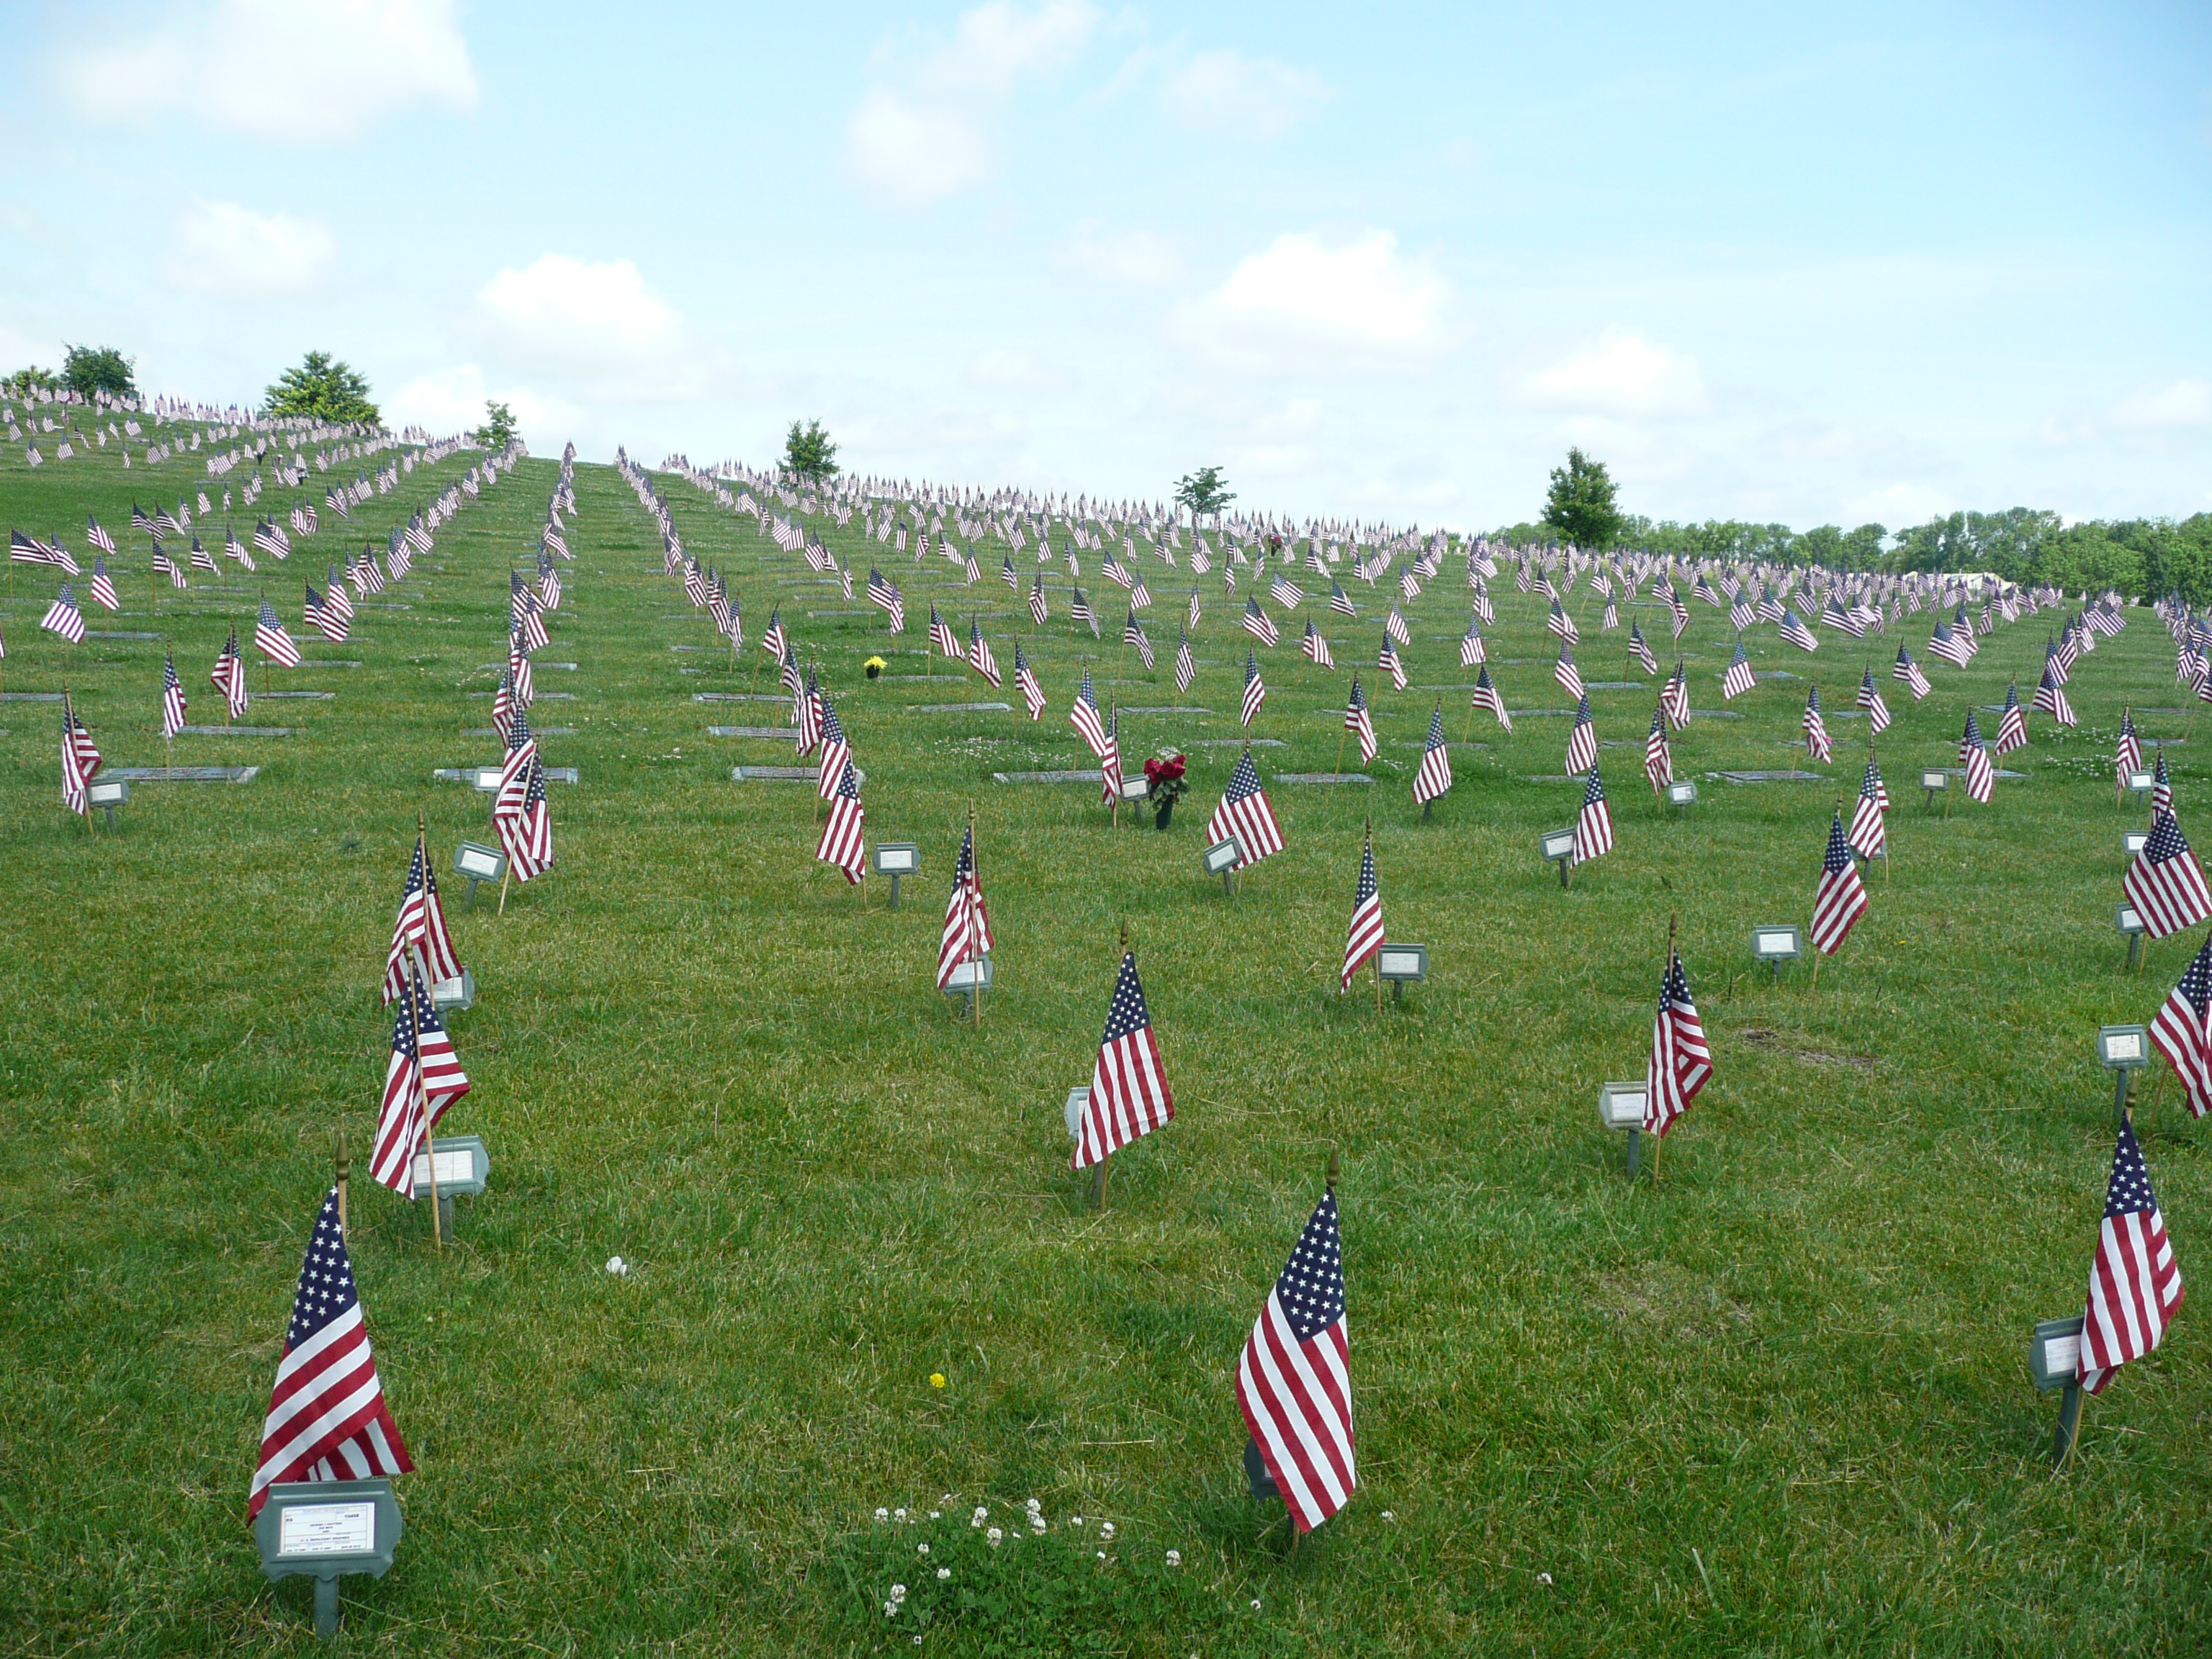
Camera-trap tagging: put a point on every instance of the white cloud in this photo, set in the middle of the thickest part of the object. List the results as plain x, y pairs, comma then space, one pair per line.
1621, 373
233, 253
453, 400
1135, 258
601, 326
324, 72
1227, 92
2181, 406
931, 134
1017, 371
1301, 304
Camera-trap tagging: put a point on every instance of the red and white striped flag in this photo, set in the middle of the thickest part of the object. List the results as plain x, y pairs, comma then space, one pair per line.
422, 1078
1839, 898
1025, 677
2135, 1284
1869, 833
2183, 1031
1357, 720
1434, 776
1244, 813
1294, 1381
2165, 883
419, 926
1487, 696
327, 1419
1594, 824
1681, 1063
272, 641
173, 698
1364, 937
842, 842
967, 934
1129, 1095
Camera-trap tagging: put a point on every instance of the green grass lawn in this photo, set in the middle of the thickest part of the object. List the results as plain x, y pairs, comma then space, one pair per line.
1799, 1355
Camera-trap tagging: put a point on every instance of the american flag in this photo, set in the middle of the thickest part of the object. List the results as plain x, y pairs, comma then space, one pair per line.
76, 773
836, 751
1483, 608
1025, 677
522, 681
2161, 785
2135, 1286
1565, 672
1561, 624
2165, 883
1244, 813
335, 600
1741, 615
1259, 625
1186, 665
228, 676
1364, 937
1839, 898
173, 698
421, 1078
1133, 632
1869, 699
1339, 601
1974, 761
1582, 740
2012, 727
1191, 620
166, 566
2051, 700
1387, 659
1594, 824
1471, 653
99, 537
774, 642
1681, 1063
1911, 673
271, 639
1294, 1382
1357, 720
320, 616
2183, 1031
1816, 729
1110, 760
420, 926
1640, 649
841, 843
1674, 696
327, 1419
1395, 626
1680, 613
2129, 755
1256, 691
1316, 647
64, 618
1008, 576
940, 635
981, 659
1948, 646
1487, 696
103, 590
1658, 758
1080, 609
886, 597
1129, 1094
967, 918
1285, 592
1794, 630
1084, 716
1435, 776
1869, 833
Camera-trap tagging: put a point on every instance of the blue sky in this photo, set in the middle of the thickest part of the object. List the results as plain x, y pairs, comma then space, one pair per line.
1812, 264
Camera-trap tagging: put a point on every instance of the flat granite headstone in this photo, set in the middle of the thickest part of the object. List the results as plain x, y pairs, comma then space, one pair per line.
535, 731
326, 662
1541, 713
1791, 776
1715, 714
237, 731
1320, 777
774, 774
1238, 742
96, 633
739, 696
1186, 709
1048, 777
1419, 742
695, 647
557, 696
30, 696
181, 774
323, 697
781, 733
943, 680
956, 707
1616, 685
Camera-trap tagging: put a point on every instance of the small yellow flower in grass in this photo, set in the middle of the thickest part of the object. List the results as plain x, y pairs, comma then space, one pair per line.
937, 1379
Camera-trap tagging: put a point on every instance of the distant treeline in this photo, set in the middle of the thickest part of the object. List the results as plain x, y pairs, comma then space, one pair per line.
2153, 556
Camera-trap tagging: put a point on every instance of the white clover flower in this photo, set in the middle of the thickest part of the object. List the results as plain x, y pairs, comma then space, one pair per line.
1101, 1555
993, 1537
1032, 1506
1075, 1521
1543, 1577
617, 1267
1106, 1530
1038, 1524
1387, 1515
882, 1514
936, 1514
899, 1516
1255, 1604
981, 1516
891, 1609
1175, 1558
898, 1592
945, 1572
921, 1549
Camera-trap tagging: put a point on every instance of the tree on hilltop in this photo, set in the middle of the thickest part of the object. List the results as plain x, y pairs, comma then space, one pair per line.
323, 388
809, 453
1580, 507
1204, 491
89, 369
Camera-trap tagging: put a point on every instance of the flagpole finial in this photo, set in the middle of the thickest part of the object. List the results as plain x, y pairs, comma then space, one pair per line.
1125, 936
1335, 1167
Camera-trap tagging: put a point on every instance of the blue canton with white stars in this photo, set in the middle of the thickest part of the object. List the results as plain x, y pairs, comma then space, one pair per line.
1126, 1013
2129, 1193
326, 1281
1311, 1288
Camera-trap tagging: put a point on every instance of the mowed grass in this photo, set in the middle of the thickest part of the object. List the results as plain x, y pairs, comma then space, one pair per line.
1800, 1353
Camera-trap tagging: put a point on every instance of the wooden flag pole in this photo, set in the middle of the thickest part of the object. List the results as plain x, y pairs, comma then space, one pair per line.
342, 1168
1114, 719
506, 876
